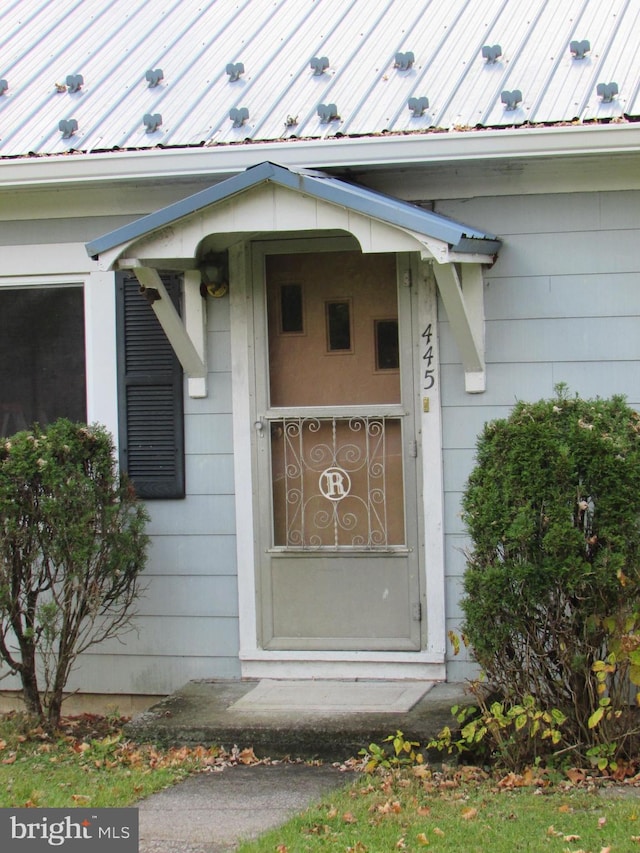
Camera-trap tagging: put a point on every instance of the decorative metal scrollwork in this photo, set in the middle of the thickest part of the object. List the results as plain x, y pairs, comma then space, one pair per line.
330, 480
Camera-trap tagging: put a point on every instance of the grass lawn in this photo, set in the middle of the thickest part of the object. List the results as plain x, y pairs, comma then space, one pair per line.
89, 763
465, 813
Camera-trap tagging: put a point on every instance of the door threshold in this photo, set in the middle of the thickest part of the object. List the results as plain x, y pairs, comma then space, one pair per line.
373, 667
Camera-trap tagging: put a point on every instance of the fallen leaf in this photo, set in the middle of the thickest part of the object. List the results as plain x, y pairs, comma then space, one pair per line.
390, 807
422, 839
348, 817
248, 756
565, 809
80, 798
469, 814
424, 811
575, 775
3, 744
601, 821
552, 832
282, 848
10, 760
571, 838
400, 845
333, 811
438, 831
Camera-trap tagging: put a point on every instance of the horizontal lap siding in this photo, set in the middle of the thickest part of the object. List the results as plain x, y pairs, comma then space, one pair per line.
562, 304
187, 627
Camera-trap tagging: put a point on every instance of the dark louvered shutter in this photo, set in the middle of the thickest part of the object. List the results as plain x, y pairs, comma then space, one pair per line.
150, 396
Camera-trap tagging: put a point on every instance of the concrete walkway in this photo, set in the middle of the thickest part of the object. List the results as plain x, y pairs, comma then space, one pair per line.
213, 812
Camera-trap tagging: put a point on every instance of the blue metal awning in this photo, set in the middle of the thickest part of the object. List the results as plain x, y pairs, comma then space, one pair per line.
461, 239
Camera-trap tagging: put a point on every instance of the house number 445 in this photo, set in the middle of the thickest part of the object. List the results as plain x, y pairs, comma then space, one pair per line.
427, 357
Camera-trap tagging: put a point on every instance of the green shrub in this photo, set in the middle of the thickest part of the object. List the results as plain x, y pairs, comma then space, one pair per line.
72, 546
551, 603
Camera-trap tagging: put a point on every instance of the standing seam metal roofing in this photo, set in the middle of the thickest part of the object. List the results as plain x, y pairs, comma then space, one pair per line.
192, 41
461, 238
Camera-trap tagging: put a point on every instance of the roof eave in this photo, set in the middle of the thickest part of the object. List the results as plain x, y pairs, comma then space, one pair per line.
388, 151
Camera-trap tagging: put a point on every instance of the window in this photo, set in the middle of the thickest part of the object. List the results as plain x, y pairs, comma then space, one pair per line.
42, 356
338, 326
291, 310
387, 352
151, 423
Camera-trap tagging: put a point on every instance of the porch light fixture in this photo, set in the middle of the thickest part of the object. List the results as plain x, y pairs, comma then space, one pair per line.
491, 52
579, 49
74, 82
511, 99
418, 106
328, 112
151, 122
607, 91
234, 70
319, 65
151, 294
238, 115
214, 274
67, 127
153, 77
404, 61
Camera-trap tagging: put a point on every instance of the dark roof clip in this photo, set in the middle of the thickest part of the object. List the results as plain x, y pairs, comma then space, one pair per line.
152, 122
511, 99
234, 70
238, 115
3, 86
153, 77
491, 52
579, 49
418, 106
319, 65
607, 91
404, 61
328, 112
74, 82
67, 126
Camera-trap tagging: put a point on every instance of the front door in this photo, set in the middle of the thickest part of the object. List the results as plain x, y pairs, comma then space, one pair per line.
337, 556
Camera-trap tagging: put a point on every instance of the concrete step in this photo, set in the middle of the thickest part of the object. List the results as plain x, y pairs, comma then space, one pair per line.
329, 720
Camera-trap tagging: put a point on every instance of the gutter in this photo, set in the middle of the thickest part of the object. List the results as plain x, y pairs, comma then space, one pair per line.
384, 151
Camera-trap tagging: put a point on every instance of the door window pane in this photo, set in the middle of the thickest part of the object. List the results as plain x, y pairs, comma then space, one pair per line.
291, 316
338, 326
387, 352
42, 357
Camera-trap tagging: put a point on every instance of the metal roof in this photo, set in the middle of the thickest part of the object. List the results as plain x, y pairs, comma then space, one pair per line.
461, 238
86, 75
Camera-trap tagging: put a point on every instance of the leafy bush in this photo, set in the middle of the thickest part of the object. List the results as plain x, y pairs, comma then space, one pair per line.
551, 605
510, 735
72, 546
